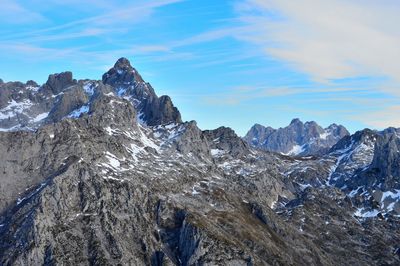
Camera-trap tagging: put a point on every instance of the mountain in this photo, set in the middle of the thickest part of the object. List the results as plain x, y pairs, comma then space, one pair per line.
364, 166
112, 176
296, 139
28, 106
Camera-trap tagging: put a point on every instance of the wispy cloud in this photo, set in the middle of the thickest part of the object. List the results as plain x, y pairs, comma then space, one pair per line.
327, 39
380, 118
14, 13
98, 24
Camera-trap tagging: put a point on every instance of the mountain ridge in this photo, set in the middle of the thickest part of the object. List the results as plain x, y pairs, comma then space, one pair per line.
113, 176
297, 138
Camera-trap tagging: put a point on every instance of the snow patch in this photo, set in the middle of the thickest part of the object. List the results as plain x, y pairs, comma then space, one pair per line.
40, 117
389, 194
194, 191
78, 112
361, 212
114, 162
13, 108
121, 91
89, 88
324, 135
217, 152
297, 149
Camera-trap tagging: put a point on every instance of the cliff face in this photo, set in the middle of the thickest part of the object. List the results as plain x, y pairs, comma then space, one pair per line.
101, 180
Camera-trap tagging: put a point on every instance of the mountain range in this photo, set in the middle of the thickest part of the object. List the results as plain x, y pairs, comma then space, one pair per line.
296, 139
105, 172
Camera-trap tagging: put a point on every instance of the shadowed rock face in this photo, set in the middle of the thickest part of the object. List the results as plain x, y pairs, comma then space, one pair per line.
58, 82
96, 184
71, 100
296, 139
384, 171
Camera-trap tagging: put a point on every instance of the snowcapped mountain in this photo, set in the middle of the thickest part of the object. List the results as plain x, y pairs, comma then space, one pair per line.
296, 139
106, 173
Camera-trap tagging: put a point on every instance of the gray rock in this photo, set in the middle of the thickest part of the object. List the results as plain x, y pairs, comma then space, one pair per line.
72, 99
56, 83
224, 138
127, 82
384, 171
297, 138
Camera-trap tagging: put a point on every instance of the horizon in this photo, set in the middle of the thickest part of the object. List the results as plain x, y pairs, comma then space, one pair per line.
268, 60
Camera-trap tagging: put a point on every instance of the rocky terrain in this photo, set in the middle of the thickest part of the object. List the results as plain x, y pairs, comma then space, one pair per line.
296, 139
106, 173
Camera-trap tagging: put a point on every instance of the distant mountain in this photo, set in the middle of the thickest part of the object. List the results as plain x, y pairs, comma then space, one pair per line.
298, 138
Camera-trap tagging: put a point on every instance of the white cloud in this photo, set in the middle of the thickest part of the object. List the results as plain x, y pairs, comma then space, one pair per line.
382, 118
330, 39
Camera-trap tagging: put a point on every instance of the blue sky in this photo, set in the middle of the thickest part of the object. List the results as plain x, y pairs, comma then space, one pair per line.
231, 63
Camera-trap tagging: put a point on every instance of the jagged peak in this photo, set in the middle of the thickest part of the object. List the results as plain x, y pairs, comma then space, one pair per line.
31, 83
295, 121
257, 126
122, 73
1, 81
123, 63
223, 130
59, 81
334, 125
63, 75
357, 137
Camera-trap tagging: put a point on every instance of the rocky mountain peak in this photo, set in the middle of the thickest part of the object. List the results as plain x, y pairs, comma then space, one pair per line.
123, 63
122, 74
256, 134
1, 81
32, 83
127, 82
28, 106
296, 121
361, 136
58, 82
225, 139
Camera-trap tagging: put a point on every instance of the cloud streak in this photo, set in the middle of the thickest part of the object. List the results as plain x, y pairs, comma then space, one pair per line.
14, 13
328, 40
107, 20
